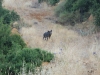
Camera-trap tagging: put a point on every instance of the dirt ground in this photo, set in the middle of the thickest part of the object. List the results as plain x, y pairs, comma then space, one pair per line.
74, 54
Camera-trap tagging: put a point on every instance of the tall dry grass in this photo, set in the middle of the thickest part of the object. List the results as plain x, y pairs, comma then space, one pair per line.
74, 54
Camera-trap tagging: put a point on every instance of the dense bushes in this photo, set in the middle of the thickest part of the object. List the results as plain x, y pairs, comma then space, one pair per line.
97, 17
13, 51
31, 58
8, 44
76, 11
8, 16
1, 3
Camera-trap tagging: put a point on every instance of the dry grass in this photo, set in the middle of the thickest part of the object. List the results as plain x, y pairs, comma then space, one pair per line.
14, 31
74, 54
39, 16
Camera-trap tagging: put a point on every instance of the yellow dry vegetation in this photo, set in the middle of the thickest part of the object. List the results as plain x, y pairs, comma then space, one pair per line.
74, 54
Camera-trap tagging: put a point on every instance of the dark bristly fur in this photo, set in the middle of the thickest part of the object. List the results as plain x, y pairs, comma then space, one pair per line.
47, 35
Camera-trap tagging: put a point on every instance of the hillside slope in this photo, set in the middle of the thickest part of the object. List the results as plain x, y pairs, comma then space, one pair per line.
74, 54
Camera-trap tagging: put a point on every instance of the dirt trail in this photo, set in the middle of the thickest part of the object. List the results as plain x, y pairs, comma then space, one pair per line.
74, 54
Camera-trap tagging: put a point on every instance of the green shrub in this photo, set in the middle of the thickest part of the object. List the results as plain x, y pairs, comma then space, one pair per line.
18, 40
52, 2
2, 58
1, 3
31, 57
10, 17
13, 51
14, 16
5, 41
36, 55
47, 57
7, 19
75, 11
3, 12
65, 13
97, 17
60, 8
8, 41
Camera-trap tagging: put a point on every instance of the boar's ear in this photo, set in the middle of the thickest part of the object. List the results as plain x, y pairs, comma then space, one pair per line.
51, 31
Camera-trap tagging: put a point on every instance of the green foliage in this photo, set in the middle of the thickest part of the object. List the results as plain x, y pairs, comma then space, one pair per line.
52, 2
2, 58
47, 57
14, 16
69, 5
7, 19
97, 17
12, 56
3, 12
18, 40
13, 51
1, 3
63, 18
66, 11
37, 56
5, 42
8, 41
60, 8
82, 4
31, 57
10, 17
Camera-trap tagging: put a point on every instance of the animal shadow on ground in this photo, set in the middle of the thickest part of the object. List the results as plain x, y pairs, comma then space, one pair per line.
47, 35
